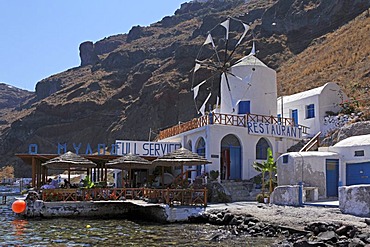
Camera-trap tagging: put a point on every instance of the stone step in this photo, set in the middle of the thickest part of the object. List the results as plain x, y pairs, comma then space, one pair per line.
239, 190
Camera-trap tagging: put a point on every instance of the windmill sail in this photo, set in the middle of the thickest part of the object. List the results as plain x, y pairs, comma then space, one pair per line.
196, 88
253, 51
209, 40
246, 28
202, 109
226, 25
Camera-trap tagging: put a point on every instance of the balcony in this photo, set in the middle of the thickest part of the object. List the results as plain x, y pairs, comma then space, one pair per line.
227, 119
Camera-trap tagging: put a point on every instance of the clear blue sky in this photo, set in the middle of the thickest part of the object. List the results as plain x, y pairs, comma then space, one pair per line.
40, 38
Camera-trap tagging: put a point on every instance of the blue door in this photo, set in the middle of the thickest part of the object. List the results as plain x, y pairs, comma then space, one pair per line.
332, 177
358, 173
295, 116
235, 163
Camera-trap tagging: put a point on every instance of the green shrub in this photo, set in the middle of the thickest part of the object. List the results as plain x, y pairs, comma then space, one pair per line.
261, 198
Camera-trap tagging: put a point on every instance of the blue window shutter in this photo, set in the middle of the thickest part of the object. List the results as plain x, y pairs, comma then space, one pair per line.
244, 107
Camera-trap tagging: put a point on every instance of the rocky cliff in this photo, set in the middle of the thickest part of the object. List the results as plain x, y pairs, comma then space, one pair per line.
128, 84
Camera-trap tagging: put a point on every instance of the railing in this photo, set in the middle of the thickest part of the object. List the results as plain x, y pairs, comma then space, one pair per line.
315, 141
180, 197
181, 178
226, 119
184, 197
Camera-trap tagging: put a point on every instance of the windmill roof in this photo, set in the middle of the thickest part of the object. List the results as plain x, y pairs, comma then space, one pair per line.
250, 60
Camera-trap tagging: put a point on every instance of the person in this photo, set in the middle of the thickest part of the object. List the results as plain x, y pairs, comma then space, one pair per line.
67, 184
49, 184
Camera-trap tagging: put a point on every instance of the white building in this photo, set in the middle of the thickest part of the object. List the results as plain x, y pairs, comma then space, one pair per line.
239, 131
345, 163
313, 108
355, 156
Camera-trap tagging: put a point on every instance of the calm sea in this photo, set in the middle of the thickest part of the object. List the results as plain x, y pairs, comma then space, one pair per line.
110, 232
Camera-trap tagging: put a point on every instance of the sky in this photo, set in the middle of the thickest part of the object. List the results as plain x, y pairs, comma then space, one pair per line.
39, 38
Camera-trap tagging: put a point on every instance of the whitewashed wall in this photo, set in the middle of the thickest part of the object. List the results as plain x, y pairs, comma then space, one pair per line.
306, 167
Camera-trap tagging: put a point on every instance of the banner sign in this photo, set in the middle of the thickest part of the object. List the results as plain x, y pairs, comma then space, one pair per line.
142, 148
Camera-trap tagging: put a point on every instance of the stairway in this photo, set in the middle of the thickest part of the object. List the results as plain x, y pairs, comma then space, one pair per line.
239, 190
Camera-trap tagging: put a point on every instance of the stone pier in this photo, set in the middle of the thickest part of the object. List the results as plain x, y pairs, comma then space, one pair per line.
136, 209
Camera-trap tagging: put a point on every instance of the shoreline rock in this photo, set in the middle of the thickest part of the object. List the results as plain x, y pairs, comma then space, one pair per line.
319, 233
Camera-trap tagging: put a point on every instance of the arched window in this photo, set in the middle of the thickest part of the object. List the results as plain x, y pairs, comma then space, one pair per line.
261, 149
201, 150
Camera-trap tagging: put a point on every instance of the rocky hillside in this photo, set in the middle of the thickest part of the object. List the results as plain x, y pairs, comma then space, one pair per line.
129, 83
11, 98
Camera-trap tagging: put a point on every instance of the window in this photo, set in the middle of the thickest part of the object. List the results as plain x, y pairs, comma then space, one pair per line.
279, 118
261, 149
310, 111
285, 159
244, 107
360, 153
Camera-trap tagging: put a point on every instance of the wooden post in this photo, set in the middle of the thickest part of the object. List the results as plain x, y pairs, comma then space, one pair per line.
33, 172
162, 177
106, 173
205, 197
38, 174
182, 175
102, 172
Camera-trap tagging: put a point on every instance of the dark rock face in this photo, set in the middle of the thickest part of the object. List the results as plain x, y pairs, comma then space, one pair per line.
11, 97
47, 87
303, 20
87, 53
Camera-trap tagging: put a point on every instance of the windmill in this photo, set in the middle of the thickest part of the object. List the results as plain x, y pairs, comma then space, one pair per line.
216, 72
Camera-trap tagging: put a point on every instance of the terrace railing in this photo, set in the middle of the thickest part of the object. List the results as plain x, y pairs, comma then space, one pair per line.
226, 119
183, 197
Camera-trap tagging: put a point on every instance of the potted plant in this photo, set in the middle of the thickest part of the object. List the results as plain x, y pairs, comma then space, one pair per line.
266, 166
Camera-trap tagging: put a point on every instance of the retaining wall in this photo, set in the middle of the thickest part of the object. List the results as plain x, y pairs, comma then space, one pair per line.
287, 195
355, 200
135, 209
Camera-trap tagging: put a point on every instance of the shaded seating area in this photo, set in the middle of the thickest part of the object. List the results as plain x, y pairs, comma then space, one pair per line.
180, 194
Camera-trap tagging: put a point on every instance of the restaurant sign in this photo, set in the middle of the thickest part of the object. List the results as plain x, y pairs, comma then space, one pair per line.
276, 130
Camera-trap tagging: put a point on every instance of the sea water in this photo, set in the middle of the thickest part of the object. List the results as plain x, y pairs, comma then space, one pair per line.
16, 231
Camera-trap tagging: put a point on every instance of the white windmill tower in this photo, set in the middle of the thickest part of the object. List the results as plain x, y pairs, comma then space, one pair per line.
244, 85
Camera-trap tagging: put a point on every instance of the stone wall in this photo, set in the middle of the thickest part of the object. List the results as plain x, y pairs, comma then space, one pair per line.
355, 200
124, 209
287, 195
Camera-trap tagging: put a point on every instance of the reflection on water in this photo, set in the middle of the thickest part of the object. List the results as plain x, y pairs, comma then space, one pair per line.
109, 232
19, 226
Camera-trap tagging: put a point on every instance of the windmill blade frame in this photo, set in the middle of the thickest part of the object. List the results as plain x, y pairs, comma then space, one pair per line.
208, 61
